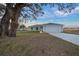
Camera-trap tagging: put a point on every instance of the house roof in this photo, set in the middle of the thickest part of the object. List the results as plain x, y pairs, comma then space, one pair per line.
46, 24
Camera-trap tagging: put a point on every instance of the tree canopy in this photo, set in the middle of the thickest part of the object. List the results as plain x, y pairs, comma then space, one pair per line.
33, 10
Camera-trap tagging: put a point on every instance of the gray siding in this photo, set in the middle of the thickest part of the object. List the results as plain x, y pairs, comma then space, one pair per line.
53, 28
47, 28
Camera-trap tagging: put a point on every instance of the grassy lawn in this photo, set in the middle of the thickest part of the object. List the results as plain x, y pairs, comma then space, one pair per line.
35, 43
71, 31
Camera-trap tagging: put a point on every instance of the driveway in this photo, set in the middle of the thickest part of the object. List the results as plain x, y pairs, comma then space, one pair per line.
68, 37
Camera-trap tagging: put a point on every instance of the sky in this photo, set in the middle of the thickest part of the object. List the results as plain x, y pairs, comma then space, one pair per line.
53, 15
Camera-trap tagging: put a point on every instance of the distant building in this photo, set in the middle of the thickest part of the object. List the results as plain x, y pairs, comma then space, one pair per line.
49, 27
22, 27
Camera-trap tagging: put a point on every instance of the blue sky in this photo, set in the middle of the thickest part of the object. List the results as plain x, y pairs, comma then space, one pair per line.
52, 15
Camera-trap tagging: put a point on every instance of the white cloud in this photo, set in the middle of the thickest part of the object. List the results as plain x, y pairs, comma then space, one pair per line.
77, 8
29, 23
46, 14
62, 13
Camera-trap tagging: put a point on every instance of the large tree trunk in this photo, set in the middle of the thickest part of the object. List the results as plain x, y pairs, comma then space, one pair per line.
14, 19
14, 23
12, 13
5, 24
14, 26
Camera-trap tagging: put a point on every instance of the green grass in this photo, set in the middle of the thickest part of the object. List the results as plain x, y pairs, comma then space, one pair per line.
35, 43
30, 33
